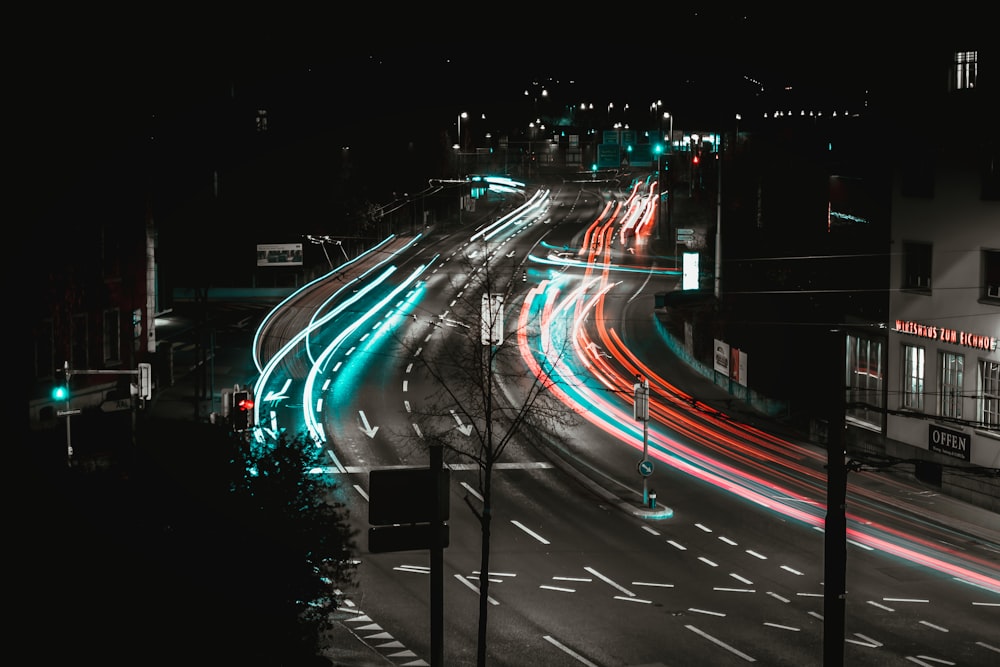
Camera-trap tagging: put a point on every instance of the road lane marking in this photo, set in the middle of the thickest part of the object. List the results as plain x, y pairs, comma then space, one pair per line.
609, 581
880, 606
778, 597
705, 611
705, 560
934, 627
790, 569
620, 597
569, 651
718, 642
865, 641
559, 589
529, 531
781, 627
756, 555
920, 660
472, 491
474, 588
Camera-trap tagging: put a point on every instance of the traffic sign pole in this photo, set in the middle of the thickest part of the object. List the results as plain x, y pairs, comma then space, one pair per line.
641, 411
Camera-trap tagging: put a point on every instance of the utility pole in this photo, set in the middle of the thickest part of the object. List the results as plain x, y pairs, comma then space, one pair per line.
835, 534
437, 555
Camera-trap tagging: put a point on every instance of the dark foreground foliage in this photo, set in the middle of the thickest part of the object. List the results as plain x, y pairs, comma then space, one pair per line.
179, 555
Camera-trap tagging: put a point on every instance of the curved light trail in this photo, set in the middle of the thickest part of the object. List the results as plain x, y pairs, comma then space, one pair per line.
681, 428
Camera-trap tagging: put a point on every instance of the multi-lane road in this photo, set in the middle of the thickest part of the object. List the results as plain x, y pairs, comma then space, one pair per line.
731, 574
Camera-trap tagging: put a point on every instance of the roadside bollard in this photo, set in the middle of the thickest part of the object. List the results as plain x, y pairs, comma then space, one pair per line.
652, 499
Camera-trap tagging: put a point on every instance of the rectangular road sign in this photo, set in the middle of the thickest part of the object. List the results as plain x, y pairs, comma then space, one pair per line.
685, 232
406, 495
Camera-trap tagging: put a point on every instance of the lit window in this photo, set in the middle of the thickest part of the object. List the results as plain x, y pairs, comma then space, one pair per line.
965, 70
952, 377
989, 393
864, 380
913, 377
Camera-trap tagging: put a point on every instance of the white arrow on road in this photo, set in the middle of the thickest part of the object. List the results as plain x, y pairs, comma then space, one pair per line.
279, 396
368, 430
466, 430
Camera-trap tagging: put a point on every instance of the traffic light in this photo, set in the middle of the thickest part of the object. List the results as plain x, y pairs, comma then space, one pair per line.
60, 390
242, 412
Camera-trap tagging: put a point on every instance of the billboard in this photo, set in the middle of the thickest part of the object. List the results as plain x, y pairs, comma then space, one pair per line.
279, 254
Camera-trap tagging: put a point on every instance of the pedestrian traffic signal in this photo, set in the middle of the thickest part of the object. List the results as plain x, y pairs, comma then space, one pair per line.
242, 412
60, 392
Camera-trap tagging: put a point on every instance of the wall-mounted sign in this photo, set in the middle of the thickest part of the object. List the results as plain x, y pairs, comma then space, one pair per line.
946, 441
977, 341
721, 357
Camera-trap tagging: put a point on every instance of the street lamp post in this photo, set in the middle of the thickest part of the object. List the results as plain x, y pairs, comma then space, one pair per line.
458, 144
460, 117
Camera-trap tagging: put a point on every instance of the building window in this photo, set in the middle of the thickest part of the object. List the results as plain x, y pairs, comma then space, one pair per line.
79, 342
864, 380
991, 276
952, 377
112, 336
913, 377
966, 69
989, 393
917, 266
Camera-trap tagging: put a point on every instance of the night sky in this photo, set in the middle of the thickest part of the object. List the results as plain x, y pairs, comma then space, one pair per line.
105, 102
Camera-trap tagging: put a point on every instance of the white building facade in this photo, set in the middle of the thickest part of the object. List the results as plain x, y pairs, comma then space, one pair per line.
942, 377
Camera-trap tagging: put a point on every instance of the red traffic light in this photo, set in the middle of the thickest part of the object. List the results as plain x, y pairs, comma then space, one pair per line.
246, 404
695, 160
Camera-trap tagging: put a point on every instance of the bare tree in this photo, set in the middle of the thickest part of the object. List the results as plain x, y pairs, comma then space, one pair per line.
482, 397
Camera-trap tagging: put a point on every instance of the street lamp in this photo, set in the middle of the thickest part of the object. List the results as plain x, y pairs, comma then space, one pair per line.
460, 117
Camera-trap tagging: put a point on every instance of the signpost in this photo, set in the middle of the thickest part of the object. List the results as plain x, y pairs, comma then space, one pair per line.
640, 411
408, 508
143, 387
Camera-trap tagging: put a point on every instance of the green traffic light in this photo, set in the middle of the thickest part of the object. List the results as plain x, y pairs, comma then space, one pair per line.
60, 393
